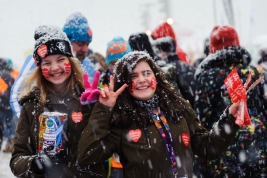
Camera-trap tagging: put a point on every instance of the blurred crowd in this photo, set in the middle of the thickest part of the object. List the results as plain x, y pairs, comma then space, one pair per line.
201, 82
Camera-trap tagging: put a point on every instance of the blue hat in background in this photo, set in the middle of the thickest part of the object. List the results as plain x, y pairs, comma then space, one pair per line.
77, 29
116, 49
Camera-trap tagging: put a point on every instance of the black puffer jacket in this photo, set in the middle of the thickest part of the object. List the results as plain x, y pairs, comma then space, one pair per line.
184, 77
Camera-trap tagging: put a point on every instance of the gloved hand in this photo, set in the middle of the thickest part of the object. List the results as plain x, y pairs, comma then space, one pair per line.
91, 93
42, 161
60, 157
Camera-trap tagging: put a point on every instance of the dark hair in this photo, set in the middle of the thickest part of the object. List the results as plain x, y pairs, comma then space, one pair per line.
126, 112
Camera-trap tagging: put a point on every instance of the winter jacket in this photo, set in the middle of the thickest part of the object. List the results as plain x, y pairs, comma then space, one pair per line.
99, 140
6, 116
247, 154
184, 78
6, 82
26, 136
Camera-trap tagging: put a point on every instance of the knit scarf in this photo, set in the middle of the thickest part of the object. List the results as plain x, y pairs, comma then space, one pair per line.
150, 103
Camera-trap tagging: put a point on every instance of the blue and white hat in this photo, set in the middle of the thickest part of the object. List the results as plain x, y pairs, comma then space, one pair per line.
116, 49
77, 29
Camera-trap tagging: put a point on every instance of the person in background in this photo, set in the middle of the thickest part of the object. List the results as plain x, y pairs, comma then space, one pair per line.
153, 130
246, 156
99, 62
28, 66
140, 42
179, 74
7, 121
206, 53
116, 49
54, 86
164, 30
9, 65
80, 34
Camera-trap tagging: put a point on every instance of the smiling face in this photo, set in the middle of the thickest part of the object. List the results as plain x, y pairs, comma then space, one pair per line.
143, 81
56, 69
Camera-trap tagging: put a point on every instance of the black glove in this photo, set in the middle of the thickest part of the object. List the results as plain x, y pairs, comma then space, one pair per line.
42, 161
60, 157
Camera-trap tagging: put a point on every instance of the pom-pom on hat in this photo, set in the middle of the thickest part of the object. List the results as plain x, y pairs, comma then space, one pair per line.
77, 29
50, 40
223, 37
116, 49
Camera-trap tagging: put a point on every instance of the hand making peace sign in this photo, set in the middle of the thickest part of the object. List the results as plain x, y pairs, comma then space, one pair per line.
91, 93
108, 97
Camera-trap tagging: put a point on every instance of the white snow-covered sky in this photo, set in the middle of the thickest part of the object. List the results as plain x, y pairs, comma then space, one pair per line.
193, 21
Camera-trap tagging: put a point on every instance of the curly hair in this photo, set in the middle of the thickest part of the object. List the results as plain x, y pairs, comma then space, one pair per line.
126, 112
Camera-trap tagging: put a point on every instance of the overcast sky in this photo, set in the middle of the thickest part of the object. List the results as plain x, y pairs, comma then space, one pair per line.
193, 20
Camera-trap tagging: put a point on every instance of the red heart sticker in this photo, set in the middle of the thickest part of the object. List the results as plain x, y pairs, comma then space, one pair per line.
67, 67
89, 32
77, 117
135, 134
42, 50
153, 83
185, 139
45, 72
133, 87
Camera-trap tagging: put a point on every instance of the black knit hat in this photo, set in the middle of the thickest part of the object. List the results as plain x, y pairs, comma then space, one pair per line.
50, 40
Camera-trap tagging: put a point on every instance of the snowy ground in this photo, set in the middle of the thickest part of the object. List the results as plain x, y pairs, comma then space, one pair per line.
5, 171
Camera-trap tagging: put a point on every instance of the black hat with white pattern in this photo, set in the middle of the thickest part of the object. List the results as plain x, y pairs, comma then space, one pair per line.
50, 40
